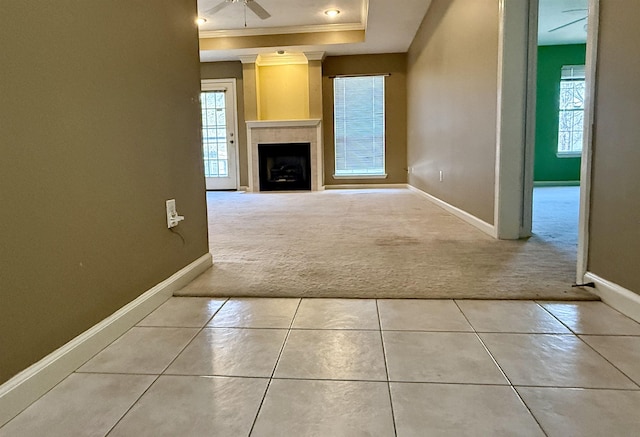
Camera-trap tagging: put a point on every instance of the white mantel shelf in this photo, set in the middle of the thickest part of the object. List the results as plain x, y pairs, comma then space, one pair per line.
283, 123
285, 131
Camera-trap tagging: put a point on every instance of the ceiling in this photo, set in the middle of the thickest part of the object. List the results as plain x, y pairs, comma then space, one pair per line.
362, 27
556, 13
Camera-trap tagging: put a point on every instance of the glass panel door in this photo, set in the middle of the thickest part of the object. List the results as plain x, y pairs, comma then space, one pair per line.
218, 135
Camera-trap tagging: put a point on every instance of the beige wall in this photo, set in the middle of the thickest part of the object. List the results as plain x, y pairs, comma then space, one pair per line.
100, 125
614, 234
283, 92
232, 70
452, 101
395, 114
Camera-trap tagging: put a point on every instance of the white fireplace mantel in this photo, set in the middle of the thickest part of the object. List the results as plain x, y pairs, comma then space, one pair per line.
285, 131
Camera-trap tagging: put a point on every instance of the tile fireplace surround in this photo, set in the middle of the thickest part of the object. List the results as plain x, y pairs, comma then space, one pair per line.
285, 131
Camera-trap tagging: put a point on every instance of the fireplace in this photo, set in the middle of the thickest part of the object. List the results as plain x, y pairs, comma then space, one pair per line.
284, 167
272, 133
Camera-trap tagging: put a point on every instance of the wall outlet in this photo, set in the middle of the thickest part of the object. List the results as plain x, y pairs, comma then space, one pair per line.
172, 214
441, 175
410, 170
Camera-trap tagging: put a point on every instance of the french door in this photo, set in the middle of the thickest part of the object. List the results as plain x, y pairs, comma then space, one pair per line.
219, 137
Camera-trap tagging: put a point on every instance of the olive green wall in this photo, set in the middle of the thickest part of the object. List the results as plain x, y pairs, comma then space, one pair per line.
452, 79
100, 125
395, 112
614, 225
548, 167
232, 70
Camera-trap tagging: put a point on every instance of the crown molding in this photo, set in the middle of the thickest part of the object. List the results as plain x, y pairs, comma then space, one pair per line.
282, 30
315, 56
271, 59
248, 59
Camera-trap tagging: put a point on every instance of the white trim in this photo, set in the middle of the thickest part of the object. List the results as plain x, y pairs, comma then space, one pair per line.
556, 183
287, 58
26, 387
243, 188
285, 30
589, 114
361, 176
284, 123
363, 186
511, 117
623, 300
530, 123
471, 219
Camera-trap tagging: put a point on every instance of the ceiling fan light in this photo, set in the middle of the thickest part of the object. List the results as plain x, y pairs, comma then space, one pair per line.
200, 21
331, 12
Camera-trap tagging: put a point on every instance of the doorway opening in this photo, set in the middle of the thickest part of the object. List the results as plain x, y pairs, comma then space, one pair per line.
559, 121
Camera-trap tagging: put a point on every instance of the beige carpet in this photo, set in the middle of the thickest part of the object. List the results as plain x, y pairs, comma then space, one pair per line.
370, 243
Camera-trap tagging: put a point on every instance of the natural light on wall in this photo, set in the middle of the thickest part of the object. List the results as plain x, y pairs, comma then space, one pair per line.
359, 126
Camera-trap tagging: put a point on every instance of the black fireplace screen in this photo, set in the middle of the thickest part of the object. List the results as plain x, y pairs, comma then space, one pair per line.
285, 166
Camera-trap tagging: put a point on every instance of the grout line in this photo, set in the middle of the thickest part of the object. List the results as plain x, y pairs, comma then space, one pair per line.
162, 372
577, 335
502, 371
386, 371
275, 366
132, 405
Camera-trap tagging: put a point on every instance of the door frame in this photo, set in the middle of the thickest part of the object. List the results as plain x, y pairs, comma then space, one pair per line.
515, 178
587, 145
228, 85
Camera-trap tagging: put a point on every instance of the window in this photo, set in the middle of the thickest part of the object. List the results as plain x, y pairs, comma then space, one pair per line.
359, 126
214, 134
571, 111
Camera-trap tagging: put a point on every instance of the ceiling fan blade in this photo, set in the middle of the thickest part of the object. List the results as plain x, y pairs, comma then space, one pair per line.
257, 9
217, 8
568, 24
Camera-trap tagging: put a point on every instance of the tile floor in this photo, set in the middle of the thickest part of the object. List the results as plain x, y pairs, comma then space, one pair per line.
335, 367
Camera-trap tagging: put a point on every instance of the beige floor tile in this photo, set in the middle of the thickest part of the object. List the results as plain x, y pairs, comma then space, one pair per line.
231, 352
421, 315
82, 404
423, 410
622, 352
439, 357
592, 318
256, 313
337, 314
195, 406
552, 360
325, 408
510, 316
141, 350
184, 312
354, 355
577, 412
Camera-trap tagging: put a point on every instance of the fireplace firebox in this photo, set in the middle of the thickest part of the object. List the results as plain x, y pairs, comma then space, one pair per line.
285, 167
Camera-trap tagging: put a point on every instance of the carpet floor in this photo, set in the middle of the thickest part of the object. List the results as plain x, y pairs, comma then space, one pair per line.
389, 243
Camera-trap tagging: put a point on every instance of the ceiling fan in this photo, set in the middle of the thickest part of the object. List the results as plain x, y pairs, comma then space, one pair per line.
251, 4
573, 21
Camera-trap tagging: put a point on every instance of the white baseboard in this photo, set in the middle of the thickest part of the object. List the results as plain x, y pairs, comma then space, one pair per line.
26, 387
556, 183
623, 300
362, 186
471, 219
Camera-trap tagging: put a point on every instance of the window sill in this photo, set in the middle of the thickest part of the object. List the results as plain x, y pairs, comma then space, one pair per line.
569, 154
361, 176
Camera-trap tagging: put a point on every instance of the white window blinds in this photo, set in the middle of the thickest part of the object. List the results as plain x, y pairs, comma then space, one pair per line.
359, 125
